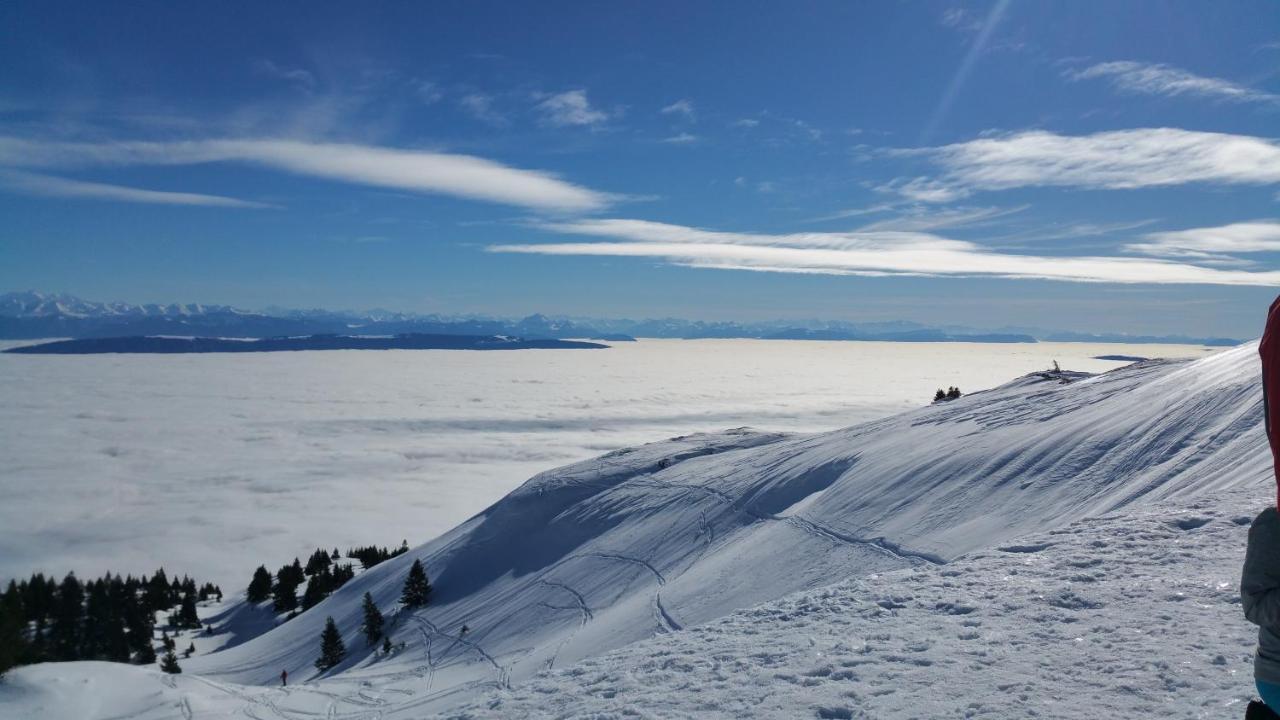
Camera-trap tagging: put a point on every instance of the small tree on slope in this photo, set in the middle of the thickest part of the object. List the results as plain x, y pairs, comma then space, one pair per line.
169, 663
260, 587
372, 627
331, 648
416, 587
187, 616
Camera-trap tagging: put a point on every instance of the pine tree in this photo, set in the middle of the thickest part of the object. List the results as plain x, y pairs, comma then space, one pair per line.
191, 650
372, 627
416, 587
65, 633
285, 591
316, 590
260, 586
318, 562
386, 645
157, 592
187, 616
170, 663
13, 646
331, 648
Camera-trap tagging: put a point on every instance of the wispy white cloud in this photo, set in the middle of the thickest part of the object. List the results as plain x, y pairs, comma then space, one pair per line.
683, 108
923, 189
961, 19
1120, 159
683, 138
481, 107
464, 176
297, 76
917, 218
866, 253
1216, 243
746, 123
1073, 231
1159, 79
427, 91
571, 108
50, 186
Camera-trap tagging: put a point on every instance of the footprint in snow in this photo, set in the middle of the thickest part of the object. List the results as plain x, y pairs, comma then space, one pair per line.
1191, 523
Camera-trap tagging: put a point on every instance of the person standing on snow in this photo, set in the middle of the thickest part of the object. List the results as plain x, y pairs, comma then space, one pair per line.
1260, 581
284, 678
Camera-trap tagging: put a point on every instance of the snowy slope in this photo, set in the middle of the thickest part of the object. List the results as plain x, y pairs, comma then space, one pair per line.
597, 555
1132, 615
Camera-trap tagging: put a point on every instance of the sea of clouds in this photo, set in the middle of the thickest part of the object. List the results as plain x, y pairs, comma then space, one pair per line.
213, 464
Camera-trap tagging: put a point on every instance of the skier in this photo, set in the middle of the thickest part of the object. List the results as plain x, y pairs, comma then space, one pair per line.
464, 630
284, 678
1260, 581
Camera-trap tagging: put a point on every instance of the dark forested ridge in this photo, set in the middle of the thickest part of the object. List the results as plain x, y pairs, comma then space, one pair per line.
176, 345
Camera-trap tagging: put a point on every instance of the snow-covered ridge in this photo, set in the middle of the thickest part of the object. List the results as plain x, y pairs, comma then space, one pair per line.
593, 556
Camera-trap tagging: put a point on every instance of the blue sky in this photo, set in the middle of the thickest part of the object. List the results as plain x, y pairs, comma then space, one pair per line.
1090, 166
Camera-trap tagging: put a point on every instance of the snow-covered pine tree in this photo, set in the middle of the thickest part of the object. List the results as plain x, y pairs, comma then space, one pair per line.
372, 627
416, 587
386, 645
191, 650
331, 648
169, 663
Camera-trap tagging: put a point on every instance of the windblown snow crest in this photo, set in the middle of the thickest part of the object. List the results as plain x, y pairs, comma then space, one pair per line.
593, 556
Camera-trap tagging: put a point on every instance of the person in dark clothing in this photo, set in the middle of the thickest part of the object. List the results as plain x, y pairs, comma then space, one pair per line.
284, 678
1260, 580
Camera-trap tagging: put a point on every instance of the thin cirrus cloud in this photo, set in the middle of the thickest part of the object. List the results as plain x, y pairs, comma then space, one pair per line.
1158, 79
435, 173
570, 108
1118, 159
1212, 243
683, 108
881, 253
49, 186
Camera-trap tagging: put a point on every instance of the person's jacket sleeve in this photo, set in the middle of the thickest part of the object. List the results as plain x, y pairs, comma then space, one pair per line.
1260, 583
1269, 350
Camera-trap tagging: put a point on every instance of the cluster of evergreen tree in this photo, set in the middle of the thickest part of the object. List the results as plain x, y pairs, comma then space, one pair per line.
322, 574
415, 593
109, 618
950, 393
372, 554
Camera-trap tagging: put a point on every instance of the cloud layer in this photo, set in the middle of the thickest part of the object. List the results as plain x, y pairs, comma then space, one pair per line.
1119, 159
878, 253
49, 186
1159, 79
463, 176
1213, 243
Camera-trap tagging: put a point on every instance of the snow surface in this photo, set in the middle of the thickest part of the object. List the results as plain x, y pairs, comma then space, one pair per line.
1062, 545
1133, 614
257, 460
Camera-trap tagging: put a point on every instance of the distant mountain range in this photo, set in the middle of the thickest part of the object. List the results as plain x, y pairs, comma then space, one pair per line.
30, 315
